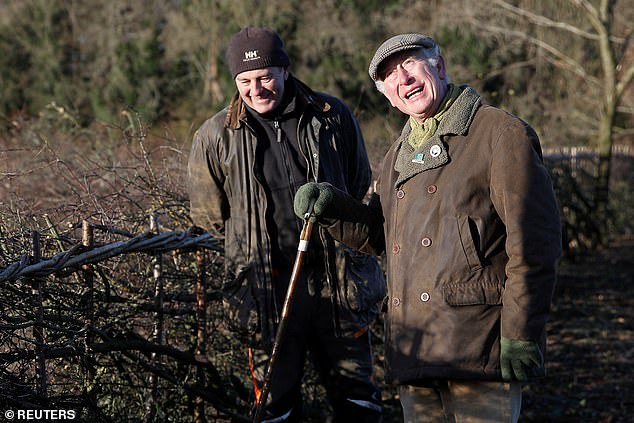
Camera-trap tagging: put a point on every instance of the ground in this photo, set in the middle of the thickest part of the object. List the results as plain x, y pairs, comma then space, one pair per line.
591, 343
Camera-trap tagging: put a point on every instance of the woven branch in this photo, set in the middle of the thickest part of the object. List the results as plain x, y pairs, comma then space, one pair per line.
79, 255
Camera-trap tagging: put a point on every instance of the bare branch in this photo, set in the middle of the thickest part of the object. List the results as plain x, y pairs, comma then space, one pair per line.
562, 60
591, 11
78, 256
626, 79
544, 21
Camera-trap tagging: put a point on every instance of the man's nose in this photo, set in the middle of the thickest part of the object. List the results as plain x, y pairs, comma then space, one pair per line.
403, 75
256, 87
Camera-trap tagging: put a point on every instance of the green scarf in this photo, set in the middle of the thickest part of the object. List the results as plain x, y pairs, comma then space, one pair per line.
422, 132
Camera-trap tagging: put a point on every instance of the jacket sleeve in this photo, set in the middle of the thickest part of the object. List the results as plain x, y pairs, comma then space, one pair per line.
208, 201
354, 223
523, 196
355, 217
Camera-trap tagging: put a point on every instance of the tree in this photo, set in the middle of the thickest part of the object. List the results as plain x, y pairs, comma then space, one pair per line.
591, 42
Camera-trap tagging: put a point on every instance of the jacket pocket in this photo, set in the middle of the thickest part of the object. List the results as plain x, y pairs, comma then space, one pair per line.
240, 304
479, 293
363, 285
470, 241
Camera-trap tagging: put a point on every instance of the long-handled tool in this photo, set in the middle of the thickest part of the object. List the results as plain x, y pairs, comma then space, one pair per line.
302, 248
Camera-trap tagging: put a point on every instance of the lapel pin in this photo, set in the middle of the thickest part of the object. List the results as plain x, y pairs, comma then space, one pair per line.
418, 158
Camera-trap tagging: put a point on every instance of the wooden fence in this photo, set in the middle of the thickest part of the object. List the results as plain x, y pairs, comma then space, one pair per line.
574, 170
84, 331
585, 158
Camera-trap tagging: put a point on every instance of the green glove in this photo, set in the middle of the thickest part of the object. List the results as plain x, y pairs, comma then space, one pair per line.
516, 357
321, 194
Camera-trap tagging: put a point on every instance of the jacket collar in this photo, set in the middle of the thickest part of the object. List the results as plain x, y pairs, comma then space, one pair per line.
434, 152
237, 110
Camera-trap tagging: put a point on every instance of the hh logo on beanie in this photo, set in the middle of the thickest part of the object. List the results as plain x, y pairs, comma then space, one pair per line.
251, 55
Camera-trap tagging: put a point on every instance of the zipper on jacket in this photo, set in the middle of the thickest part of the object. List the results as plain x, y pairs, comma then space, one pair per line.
285, 158
278, 131
309, 156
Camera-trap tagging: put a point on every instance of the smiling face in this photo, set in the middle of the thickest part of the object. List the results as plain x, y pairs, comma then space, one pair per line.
413, 84
262, 89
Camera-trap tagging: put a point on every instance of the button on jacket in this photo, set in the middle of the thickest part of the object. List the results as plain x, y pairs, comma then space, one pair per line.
474, 237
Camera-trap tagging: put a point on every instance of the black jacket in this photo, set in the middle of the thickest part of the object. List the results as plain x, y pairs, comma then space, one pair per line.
229, 200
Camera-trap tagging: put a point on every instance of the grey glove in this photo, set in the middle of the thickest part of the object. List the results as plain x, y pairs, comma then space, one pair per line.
322, 194
518, 357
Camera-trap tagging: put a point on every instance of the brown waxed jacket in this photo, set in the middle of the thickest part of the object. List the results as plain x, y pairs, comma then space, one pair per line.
227, 198
472, 238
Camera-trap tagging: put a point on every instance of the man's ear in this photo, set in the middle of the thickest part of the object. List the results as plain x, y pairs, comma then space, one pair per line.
442, 71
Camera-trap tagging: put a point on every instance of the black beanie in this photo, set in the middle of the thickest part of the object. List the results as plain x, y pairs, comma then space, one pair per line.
255, 48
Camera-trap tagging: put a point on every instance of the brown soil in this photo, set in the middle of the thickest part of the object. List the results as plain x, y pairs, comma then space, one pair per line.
591, 343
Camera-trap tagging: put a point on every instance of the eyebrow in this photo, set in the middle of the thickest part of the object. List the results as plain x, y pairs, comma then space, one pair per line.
382, 70
266, 75
397, 58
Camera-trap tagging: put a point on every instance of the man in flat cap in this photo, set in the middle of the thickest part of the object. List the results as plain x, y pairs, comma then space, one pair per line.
245, 166
466, 215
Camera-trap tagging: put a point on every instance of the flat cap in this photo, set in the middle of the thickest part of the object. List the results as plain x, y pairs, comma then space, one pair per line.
394, 45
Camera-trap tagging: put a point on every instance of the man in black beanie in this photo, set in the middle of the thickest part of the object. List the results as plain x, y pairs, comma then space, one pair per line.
245, 166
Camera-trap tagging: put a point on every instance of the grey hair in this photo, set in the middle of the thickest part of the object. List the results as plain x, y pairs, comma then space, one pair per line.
430, 55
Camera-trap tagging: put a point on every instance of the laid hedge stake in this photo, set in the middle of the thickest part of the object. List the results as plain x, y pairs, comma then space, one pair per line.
302, 249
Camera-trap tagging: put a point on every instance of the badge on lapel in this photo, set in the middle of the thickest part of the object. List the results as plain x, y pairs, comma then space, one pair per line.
419, 158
